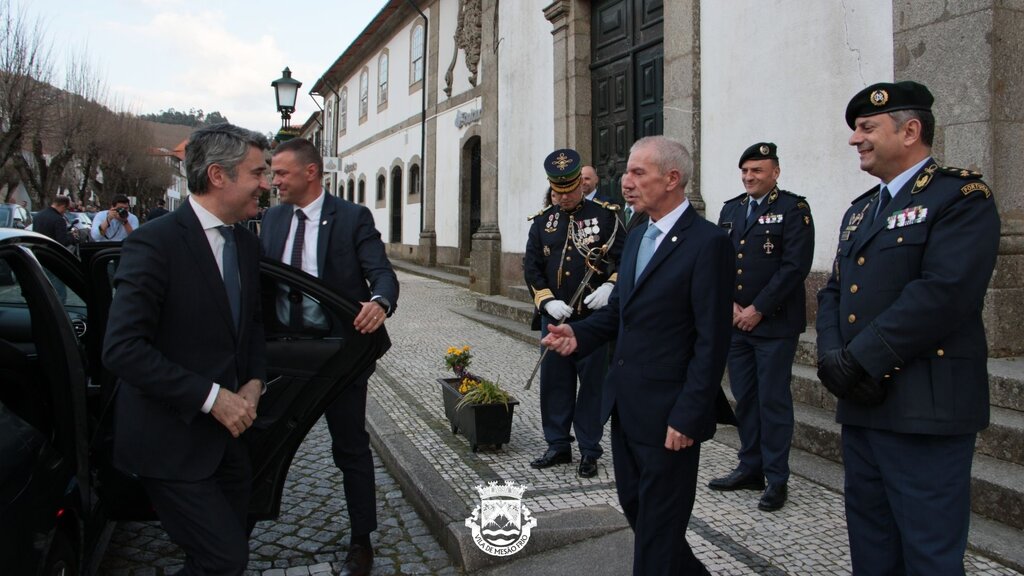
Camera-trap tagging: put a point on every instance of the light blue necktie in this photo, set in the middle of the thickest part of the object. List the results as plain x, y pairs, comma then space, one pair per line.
643, 255
231, 280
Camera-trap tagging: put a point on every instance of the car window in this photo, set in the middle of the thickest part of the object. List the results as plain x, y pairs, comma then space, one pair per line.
314, 321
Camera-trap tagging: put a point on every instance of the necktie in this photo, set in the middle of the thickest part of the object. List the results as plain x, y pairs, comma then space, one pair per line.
629, 214
883, 199
298, 243
751, 210
232, 284
643, 255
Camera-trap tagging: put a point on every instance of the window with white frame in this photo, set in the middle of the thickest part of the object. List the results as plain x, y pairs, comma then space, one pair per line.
364, 93
382, 79
343, 114
416, 55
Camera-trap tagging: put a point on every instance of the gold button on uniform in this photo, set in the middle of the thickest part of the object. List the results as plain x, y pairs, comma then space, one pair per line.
739, 286
568, 258
742, 242
941, 352
567, 273
740, 256
739, 272
852, 318
899, 240
853, 289
860, 261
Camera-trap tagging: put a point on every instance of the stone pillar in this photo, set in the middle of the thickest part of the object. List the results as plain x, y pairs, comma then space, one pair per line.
428, 235
682, 84
485, 259
570, 21
972, 59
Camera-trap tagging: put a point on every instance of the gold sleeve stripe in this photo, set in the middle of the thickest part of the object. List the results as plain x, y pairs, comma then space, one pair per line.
542, 295
614, 278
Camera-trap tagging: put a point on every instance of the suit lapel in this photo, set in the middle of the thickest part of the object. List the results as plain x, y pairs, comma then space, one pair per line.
323, 237
762, 208
278, 234
898, 202
194, 238
675, 237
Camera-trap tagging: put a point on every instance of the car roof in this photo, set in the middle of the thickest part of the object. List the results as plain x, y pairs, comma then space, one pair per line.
19, 236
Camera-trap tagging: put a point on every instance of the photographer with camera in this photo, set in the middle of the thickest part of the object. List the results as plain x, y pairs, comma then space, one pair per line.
116, 224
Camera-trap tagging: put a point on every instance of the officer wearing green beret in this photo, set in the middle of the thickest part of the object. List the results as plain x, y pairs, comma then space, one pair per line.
568, 241
901, 340
773, 236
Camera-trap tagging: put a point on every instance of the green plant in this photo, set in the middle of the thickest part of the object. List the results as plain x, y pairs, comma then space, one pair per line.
458, 359
485, 392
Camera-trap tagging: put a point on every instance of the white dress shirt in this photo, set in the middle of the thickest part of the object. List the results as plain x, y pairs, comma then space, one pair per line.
313, 211
666, 222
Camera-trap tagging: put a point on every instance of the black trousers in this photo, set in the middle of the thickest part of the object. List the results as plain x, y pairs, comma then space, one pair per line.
207, 518
657, 488
350, 445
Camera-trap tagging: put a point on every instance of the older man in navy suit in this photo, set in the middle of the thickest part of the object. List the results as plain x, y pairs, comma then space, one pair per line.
672, 312
185, 338
335, 240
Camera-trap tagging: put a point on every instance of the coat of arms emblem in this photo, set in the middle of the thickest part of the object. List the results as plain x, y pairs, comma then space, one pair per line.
501, 524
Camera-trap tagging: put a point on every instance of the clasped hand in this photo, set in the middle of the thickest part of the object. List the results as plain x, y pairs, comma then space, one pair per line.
237, 412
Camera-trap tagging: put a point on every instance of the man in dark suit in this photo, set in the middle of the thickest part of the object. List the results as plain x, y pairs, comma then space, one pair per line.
185, 338
52, 222
157, 211
672, 311
901, 340
589, 184
336, 240
773, 237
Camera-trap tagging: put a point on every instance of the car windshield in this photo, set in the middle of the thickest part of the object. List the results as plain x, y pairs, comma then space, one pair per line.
6, 216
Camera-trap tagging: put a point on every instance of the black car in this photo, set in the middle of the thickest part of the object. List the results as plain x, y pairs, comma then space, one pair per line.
59, 494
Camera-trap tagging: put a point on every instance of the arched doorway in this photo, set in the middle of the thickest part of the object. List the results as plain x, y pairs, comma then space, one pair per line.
396, 205
469, 196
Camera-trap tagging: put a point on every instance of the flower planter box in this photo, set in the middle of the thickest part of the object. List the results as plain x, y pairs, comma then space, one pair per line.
479, 423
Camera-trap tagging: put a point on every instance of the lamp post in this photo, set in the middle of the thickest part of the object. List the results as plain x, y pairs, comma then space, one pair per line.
286, 89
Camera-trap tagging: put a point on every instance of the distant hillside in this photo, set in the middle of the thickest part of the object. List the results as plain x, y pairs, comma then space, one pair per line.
193, 118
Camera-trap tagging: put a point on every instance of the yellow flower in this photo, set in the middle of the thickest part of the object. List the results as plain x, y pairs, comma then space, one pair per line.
465, 348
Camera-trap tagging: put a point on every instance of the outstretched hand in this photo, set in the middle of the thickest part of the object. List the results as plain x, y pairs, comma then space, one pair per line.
561, 339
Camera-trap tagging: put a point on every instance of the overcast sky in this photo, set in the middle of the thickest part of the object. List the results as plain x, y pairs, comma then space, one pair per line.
208, 54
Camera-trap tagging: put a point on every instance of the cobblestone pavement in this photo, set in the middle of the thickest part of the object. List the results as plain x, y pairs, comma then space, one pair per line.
732, 537
311, 535
727, 531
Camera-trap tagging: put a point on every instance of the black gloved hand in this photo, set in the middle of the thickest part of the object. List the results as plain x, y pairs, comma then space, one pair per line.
839, 372
844, 377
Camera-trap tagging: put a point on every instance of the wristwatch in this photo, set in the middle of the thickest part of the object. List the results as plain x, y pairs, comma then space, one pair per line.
383, 302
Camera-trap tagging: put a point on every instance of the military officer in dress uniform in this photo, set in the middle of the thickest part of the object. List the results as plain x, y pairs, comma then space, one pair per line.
773, 235
568, 241
901, 340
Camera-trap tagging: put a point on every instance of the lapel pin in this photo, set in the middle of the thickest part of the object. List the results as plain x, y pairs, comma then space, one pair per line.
674, 238
324, 223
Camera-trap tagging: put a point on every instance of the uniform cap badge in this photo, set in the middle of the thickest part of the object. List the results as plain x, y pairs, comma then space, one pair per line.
765, 149
879, 97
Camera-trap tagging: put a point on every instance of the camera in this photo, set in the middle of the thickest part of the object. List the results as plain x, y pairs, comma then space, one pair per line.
122, 213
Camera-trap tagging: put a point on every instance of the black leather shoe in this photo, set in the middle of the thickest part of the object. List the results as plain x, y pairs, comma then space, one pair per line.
551, 458
358, 562
588, 467
738, 480
774, 497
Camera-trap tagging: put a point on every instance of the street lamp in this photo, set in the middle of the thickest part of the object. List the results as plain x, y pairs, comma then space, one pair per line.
286, 89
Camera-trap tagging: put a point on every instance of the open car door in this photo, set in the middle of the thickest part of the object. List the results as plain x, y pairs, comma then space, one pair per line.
308, 366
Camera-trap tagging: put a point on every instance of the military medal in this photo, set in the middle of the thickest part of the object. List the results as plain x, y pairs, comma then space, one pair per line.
768, 246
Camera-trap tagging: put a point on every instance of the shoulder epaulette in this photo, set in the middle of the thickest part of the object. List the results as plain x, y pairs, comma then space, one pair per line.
866, 194
960, 172
740, 197
788, 193
542, 210
609, 205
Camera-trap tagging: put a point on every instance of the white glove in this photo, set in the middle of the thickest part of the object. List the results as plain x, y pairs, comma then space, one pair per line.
558, 310
599, 298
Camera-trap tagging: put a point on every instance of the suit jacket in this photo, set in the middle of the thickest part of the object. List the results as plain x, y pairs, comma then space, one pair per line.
674, 327
905, 297
773, 257
49, 222
170, 336
351, 257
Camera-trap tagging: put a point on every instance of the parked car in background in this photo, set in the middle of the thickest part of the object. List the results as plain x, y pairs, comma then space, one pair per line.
59, 493
14, 216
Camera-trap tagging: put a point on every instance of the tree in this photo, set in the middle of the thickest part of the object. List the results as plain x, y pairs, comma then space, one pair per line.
75, 113
194, 118
25, 67
125, 164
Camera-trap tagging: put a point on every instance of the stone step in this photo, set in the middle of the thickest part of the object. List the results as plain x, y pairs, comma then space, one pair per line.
430, 272
520, 293
512, 328
1005, 375
455, 269
508, 308
987, 537
1003, 439
997, 486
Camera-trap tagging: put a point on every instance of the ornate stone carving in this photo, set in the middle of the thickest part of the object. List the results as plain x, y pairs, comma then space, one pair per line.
467, 39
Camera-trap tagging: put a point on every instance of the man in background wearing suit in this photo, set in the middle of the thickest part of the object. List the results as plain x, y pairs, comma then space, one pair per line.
336, 241
773, 237
901, 340
672, 311
185, 338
